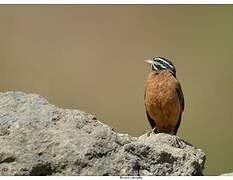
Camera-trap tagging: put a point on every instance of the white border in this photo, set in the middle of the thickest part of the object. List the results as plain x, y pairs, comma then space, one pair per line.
118, 178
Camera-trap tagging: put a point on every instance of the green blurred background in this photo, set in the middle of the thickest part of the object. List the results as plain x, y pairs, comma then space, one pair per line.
91, 57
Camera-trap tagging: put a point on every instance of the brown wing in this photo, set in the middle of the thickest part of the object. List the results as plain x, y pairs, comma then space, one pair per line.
151, 121
180, 95
181, 99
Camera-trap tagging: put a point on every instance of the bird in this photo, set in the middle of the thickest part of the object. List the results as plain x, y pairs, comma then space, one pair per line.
163, 97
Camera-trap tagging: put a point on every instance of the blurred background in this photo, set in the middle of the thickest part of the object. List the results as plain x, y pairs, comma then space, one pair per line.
91, 57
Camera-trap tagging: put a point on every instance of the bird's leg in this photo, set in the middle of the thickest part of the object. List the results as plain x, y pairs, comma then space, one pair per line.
178, 142
152, 131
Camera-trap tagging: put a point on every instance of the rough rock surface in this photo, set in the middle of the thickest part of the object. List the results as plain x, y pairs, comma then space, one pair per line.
38, 138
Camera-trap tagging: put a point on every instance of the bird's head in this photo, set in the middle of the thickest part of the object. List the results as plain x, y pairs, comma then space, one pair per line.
161, 63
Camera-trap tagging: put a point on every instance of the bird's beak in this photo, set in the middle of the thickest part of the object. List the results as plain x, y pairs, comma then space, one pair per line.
149, 61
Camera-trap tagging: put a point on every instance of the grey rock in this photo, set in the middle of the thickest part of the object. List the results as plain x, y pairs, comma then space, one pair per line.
38, 138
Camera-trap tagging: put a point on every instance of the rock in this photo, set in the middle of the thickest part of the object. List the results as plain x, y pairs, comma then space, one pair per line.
38, 138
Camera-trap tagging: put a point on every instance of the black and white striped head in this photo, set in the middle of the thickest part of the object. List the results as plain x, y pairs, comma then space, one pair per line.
161, 63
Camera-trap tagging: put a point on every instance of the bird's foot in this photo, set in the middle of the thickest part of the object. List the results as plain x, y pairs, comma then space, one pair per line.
152, 131
179, 143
